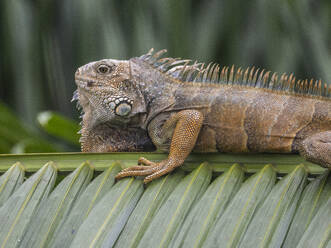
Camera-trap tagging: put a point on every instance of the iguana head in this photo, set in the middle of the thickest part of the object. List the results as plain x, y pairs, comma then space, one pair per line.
107, 93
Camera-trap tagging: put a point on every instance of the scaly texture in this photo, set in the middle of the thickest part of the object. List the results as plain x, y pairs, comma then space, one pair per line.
177, 106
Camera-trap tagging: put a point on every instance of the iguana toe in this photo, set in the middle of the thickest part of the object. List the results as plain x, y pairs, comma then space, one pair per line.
150, 169
157, 174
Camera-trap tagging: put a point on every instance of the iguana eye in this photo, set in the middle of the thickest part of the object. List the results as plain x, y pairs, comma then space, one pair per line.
103, 69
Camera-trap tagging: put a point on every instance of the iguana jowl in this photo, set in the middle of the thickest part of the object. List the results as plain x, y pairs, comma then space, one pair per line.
179, 106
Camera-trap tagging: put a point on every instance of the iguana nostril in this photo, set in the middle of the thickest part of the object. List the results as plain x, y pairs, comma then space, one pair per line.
123, 109
89, 83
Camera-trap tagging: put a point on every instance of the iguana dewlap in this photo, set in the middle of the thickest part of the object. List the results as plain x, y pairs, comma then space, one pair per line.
178, 106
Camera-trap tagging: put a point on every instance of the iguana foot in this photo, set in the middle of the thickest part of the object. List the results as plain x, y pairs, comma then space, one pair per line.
317, 149
150, 169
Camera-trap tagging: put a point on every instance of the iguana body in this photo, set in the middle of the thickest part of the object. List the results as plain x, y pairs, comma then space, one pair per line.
180, 107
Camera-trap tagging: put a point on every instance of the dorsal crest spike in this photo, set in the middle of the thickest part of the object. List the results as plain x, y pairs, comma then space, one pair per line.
265, 79
284, 81
231, 74
222, 74
259, 80
210, 72
188, 71
290, 78
255, 76
216, 74
200, 73
311, 86
226, 74
246, 76
238, 76
192, 71
273, 80
206, 72
241, 79
183, 71
292, 83
305, 85
316, 86
298, 85
165, 63
250, 78
282, 78
159, 53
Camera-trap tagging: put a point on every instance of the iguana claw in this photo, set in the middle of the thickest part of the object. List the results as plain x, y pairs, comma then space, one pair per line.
149, 169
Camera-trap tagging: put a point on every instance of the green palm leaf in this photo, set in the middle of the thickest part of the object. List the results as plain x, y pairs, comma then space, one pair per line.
183, 209
270, 223
10, 181
233, 223
209, 208
172, 214
67, 230
56, 207
150, 202
318, 233
17, 211
314, 196
109, 216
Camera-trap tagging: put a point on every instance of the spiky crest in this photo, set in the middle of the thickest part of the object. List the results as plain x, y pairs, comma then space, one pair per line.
186, 71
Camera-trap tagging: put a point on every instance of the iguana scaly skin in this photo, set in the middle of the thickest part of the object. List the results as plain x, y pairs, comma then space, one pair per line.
179, 106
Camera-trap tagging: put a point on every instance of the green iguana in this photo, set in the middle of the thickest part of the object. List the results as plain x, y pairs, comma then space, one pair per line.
179, 106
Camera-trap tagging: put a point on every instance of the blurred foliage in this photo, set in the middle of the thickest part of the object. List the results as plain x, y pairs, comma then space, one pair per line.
17, 137
43, 42
59, 126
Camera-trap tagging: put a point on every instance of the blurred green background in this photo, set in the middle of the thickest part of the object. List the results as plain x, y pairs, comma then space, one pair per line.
44, 41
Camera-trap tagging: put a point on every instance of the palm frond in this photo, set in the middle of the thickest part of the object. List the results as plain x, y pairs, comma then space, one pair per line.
265, 201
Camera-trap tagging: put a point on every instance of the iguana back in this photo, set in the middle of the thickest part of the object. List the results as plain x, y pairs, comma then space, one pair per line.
244, 119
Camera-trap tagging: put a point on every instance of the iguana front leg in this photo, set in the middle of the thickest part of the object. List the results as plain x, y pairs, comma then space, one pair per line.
187, 127
317, 149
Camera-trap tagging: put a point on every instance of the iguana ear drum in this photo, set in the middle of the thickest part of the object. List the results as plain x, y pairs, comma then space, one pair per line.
123, 109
